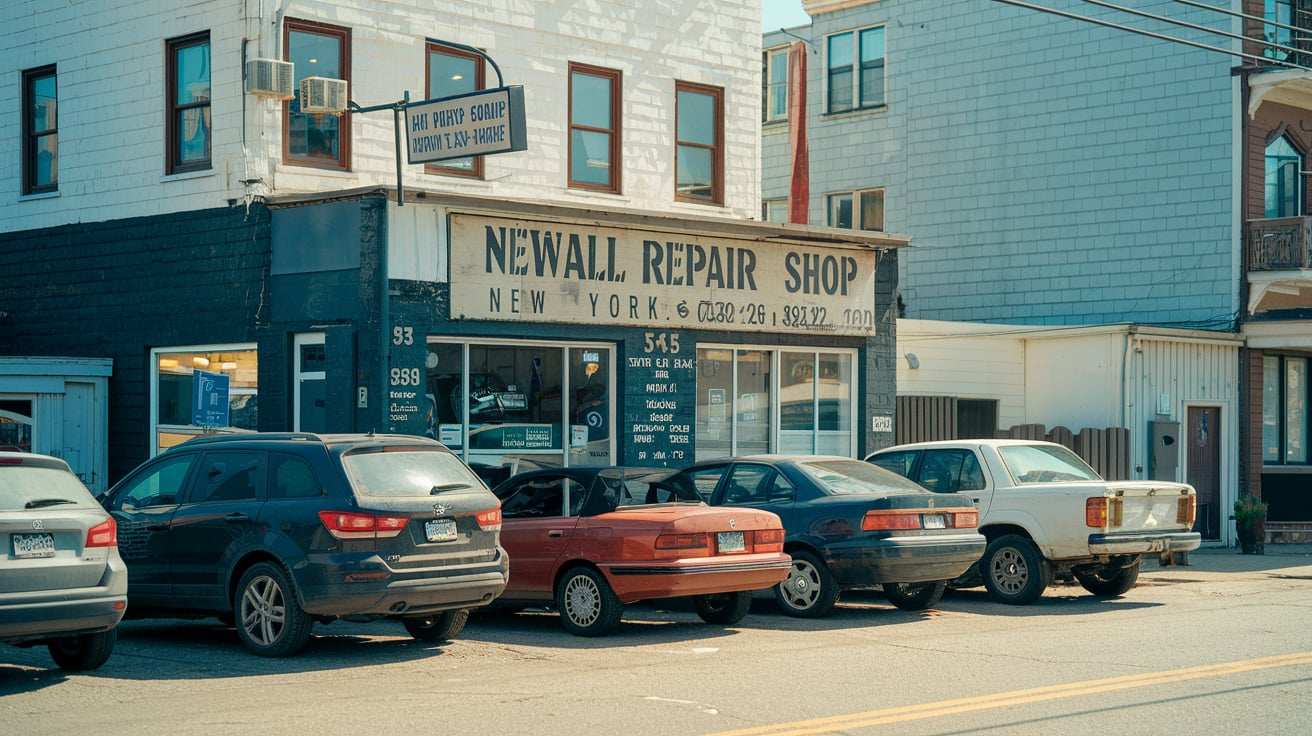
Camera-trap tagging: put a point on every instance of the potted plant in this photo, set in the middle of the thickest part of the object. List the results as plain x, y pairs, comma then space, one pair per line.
1250, 523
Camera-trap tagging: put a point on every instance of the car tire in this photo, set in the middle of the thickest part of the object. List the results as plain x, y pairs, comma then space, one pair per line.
270, 622
915, 596
442, 626
1109, 580
810, 590
725, 609
1014, 571
84, 651
587, 605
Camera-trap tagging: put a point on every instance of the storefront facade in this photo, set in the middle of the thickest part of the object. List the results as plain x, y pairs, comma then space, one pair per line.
526, 335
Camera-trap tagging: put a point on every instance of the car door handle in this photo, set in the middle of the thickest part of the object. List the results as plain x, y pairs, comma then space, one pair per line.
556, 533
236, 516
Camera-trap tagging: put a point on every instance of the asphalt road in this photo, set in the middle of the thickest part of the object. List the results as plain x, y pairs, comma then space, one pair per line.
1223, 645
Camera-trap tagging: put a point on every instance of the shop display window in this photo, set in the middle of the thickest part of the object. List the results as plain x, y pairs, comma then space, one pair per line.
759, 401
173, 396
520, 406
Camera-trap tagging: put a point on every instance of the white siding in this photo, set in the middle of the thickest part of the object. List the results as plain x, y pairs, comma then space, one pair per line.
111, 88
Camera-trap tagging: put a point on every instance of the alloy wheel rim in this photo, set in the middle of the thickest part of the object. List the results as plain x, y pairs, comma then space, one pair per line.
263, 610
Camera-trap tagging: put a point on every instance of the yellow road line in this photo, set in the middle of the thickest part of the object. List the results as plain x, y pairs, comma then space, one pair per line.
1017, 697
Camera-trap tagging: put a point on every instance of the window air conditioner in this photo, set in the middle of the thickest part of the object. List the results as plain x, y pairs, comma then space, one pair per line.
270, 78
323, 96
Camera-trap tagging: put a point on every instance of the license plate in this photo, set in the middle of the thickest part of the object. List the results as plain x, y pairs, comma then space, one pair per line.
730, 542
440, 530
934, 521
34, 545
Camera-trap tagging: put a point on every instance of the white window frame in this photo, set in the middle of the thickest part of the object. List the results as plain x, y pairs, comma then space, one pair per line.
854, 196
774, 57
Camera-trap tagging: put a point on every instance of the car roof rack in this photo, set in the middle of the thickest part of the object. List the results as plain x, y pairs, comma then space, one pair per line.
238, 437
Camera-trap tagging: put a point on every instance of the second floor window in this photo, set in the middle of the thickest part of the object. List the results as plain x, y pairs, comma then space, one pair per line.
317, 51
1282, 12
40, 131
855, 67
775, 95
188, 97
699, 154
1284, 182
594, 128
452, 72
774, 210
862, 210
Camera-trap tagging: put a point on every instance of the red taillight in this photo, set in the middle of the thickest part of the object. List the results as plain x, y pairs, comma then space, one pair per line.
768, 540
349, 525
104, 534
683, 541
886, 520
490, 520
965, 519
1095, 512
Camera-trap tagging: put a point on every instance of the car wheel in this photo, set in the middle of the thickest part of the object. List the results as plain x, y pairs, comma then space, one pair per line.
915, 596
84, 651
1109, 580
725, 609
437, 626
1014, 571
587, 605
269, 620
810, 590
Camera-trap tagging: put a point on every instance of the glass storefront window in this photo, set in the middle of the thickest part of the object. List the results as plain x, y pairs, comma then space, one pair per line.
737, 413
521, 405
1270, 409
1295, 410
174, 375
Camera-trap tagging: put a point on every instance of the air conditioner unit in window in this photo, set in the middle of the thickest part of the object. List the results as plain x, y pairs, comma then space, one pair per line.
270, 78
323, 96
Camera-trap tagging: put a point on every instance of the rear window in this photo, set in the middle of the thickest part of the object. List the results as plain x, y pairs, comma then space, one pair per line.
856, 476
407, 472
31, 487
1045, 464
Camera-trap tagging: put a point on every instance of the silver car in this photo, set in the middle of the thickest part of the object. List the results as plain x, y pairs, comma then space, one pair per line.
62, 581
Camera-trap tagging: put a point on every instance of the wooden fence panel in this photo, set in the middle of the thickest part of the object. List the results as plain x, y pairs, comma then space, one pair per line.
1107, 450
925, 418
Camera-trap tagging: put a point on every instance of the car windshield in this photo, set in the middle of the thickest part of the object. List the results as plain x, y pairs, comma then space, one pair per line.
408, 472
1044, 464
855, 476
31, 487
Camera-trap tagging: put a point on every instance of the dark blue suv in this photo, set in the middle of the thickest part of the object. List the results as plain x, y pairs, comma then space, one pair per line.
273, 532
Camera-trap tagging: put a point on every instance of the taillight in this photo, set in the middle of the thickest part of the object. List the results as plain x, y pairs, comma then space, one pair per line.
349, 525
1186, 510
490, 520
104, 534
890, 520
768, 540
1095, 512
965, 519
1100, 512
683, 541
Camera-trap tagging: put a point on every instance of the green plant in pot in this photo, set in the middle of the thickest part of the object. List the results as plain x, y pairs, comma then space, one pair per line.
1250, 524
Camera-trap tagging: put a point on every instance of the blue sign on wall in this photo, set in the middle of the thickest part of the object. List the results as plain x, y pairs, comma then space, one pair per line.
209, 399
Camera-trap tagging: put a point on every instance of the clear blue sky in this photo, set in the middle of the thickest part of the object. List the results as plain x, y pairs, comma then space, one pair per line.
776, 14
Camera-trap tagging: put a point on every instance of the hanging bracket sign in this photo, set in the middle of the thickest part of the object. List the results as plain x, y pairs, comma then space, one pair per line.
473, 124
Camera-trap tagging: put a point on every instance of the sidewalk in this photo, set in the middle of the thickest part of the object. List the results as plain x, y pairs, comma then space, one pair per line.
1230, 559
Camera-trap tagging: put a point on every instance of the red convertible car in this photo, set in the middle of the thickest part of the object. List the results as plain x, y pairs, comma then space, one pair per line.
588, 540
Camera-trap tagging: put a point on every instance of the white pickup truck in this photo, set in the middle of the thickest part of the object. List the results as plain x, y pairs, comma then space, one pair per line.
1046, 513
